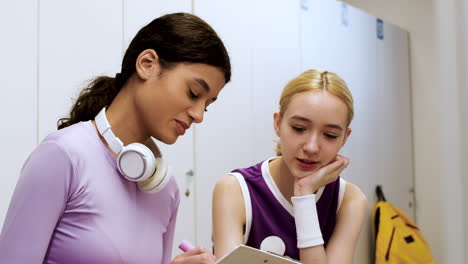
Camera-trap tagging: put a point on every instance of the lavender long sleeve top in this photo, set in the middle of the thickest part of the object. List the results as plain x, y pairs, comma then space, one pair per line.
72, 206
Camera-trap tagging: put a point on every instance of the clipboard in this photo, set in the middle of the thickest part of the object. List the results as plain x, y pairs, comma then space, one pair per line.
250, 255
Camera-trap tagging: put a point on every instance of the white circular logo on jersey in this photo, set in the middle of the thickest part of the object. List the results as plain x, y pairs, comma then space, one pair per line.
273, 244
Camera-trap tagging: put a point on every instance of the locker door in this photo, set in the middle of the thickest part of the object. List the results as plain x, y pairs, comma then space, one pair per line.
395, 129
77, 42
276, 60
18, 64
340, 38
359, 71
320, 23
224, 140
263, 40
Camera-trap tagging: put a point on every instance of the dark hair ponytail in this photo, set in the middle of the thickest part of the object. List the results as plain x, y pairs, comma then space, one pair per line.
99, 93
176, 38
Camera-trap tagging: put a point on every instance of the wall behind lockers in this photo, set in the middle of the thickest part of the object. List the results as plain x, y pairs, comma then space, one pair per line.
66, 44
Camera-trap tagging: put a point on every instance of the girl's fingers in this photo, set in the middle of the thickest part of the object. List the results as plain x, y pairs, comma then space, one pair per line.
332, 171
197, 255
322, 177
197, 259
335, 167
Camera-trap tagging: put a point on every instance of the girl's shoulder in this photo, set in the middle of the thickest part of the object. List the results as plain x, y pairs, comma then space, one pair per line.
75, 139
353, 197
229, 183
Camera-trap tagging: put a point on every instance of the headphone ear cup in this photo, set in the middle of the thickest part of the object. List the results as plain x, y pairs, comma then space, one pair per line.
136, 162
158, 180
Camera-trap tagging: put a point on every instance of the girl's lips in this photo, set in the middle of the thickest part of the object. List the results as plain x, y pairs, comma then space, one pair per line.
307, 166
180, 128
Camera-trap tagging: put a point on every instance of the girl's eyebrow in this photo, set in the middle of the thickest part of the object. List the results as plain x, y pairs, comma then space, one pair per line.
301, 118
205, 86
334, 126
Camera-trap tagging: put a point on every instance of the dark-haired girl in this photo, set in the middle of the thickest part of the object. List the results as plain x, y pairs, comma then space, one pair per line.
80, 197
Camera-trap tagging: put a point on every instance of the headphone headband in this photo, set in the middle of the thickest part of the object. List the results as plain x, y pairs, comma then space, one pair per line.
105, 130
136, 162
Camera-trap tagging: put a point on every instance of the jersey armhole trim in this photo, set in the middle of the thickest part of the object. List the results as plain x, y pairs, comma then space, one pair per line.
247, 204
341, 193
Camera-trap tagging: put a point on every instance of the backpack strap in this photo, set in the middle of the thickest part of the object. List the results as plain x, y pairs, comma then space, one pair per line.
379, 192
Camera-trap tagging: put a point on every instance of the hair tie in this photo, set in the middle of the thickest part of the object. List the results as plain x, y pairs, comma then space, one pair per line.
324, 79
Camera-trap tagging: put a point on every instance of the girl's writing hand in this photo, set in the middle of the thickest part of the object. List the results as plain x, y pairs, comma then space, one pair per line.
197, 255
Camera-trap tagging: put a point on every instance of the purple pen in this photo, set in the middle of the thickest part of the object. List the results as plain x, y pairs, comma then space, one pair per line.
185, 246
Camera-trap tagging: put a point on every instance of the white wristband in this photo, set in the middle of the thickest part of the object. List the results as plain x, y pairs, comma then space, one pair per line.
307, 223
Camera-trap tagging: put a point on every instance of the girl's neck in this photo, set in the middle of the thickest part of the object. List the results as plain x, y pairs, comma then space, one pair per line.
282, 177
124, 119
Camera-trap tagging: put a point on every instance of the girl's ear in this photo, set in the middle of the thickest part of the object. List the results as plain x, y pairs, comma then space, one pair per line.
277, 123
147, 64
347, 133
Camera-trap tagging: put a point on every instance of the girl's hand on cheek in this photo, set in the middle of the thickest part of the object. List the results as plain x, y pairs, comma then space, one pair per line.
323, 176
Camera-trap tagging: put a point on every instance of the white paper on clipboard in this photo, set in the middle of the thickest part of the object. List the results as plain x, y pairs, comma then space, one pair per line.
244, 254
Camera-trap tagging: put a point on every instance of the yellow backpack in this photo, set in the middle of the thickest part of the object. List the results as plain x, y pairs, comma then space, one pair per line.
397, 239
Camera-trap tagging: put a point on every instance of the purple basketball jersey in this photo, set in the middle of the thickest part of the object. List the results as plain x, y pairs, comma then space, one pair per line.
273, 217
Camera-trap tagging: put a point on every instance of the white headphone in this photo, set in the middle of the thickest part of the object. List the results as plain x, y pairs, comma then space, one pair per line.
136, 162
